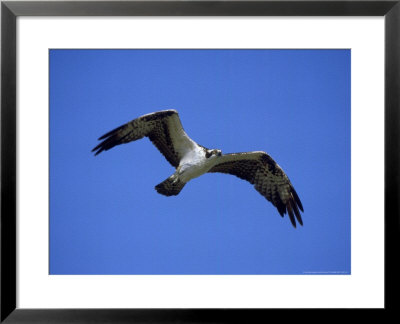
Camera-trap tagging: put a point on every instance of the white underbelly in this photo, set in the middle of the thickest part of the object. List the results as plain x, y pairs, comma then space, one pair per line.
188, 172
194, 164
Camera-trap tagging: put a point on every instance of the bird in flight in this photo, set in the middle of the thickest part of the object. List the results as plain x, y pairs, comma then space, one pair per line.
191, 160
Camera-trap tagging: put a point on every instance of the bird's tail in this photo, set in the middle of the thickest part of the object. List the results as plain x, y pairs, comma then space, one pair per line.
170, 187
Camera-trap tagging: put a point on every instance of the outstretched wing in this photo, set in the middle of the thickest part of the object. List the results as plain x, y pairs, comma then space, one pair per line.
268, 179
163, 128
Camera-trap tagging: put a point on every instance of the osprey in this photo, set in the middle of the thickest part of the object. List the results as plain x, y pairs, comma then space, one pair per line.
191, 160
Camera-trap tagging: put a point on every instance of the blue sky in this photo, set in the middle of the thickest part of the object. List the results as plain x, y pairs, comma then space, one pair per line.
106, 217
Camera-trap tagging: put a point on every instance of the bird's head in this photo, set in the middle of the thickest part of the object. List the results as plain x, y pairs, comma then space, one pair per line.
211, 153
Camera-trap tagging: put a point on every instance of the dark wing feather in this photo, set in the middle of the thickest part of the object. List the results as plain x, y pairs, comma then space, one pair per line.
163, 128
268, 179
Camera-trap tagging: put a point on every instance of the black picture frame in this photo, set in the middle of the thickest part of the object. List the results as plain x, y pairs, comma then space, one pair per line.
10, 10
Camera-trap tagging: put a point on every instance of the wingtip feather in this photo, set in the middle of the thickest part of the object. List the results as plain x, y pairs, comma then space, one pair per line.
290, 213
110, 133
297, 199
296, 211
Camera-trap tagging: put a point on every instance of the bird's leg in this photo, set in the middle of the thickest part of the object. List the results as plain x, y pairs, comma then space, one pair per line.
179, 171
174, 177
